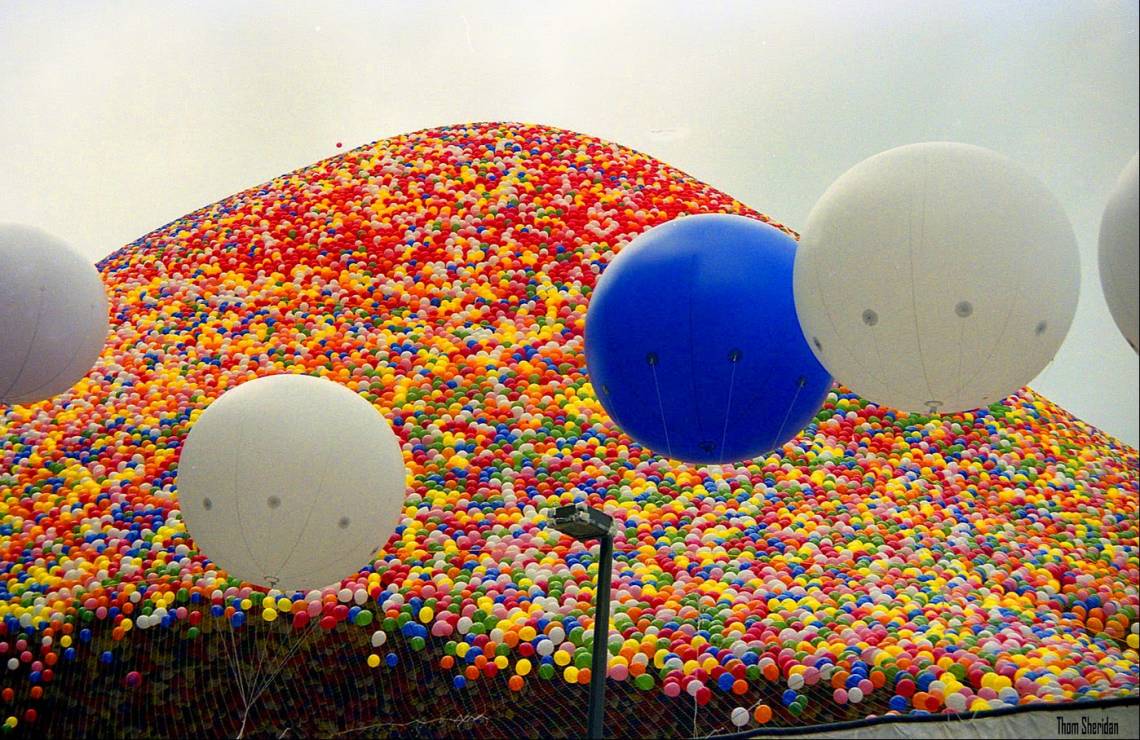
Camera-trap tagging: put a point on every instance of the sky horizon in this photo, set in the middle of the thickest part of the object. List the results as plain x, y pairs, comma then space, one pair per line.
123, 116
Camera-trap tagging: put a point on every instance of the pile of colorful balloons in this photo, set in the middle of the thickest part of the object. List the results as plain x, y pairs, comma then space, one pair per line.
906, 563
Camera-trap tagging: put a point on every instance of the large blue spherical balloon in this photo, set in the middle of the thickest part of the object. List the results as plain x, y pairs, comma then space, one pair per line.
692, 342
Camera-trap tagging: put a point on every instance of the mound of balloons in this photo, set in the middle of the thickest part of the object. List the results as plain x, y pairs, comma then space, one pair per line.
967, 547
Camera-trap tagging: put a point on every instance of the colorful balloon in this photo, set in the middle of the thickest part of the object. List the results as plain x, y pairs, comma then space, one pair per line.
291, 482
692, 343
1119, 253
53, 315
937, 277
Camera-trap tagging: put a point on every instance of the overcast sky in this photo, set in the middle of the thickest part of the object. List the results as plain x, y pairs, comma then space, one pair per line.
116, 118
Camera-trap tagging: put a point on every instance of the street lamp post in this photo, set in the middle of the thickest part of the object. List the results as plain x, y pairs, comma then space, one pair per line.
584, 523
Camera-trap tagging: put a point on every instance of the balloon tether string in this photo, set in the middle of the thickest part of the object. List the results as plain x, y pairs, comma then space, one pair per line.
273, 669
651, 358
268, 680
238, 662
262, 653
734, 358
239, 676
232, 660
799, 387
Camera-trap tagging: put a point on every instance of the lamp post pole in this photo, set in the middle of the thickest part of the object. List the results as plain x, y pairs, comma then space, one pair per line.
584, 523
601, 636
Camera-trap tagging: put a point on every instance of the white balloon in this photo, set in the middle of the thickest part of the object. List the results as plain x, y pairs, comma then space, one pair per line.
53, 315
1119, 264
936, 277
291, 482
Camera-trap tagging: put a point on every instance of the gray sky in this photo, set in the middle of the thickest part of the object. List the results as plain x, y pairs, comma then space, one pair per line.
116, 118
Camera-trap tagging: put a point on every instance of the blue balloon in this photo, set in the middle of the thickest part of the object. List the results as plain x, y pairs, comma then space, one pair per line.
693, 346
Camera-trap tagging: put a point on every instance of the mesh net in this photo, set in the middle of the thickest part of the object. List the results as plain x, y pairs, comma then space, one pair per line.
325, 687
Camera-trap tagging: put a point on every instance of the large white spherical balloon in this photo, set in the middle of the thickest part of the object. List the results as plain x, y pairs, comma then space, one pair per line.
53, 315
936, 278
291, 481
1119, 265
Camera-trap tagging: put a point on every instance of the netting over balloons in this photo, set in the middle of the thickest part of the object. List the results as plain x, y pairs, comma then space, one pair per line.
879, 562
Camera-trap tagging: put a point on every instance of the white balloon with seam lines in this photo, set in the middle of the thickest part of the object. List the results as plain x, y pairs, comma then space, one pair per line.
936, 278
291, 482
53, 315
1118, 253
